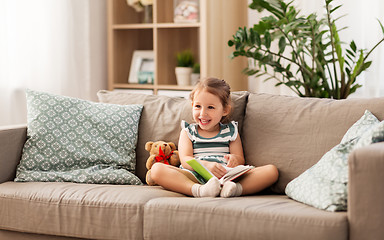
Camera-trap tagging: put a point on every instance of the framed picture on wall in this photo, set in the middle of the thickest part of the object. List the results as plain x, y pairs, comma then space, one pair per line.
142, 69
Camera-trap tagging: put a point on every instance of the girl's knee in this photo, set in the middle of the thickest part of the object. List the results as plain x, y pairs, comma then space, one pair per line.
273, 172
157, 170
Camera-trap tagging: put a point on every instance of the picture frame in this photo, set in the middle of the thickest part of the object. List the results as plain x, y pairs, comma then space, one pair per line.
142, 69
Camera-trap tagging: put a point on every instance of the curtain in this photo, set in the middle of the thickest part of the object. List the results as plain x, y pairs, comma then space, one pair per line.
363, 27
53, 46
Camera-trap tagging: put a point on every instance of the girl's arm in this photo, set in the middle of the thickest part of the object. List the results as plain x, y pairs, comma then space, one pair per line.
185, 149
236, 156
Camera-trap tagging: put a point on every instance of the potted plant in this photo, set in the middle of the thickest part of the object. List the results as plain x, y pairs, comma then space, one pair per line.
195, 74
304, 53
183, 69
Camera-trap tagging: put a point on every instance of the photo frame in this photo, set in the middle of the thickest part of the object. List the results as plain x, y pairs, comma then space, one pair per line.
142, 69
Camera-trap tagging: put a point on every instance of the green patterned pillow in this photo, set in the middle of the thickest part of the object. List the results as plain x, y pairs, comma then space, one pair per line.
325, 184
74, 140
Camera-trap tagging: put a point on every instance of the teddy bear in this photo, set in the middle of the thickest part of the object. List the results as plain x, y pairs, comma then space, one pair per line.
160, 151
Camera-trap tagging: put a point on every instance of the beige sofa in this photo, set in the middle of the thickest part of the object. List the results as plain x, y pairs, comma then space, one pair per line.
290, 132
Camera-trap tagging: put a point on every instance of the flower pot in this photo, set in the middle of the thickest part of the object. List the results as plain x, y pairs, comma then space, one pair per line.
194, 78
183, 76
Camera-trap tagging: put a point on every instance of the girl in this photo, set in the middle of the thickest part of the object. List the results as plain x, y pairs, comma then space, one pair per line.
215, 142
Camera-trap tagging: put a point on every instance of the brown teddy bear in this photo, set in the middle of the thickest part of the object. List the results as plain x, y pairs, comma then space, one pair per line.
163, 152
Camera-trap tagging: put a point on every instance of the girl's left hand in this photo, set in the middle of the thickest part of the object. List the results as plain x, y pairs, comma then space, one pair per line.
232, 160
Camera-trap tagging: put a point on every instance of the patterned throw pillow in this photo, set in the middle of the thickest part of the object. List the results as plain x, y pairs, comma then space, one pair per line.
74, 140
325, 184
360, 127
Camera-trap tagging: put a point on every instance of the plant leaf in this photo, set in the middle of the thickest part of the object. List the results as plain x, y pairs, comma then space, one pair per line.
359, 63
335, 8
381, 25
267, 40
282, 44
353, 46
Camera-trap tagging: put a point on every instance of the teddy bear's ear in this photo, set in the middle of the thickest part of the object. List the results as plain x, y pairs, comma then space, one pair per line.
172, 145
148, 146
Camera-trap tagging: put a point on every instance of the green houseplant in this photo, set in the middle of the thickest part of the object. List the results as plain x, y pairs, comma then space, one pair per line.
195, 74
304, 53
185, 58
183, 70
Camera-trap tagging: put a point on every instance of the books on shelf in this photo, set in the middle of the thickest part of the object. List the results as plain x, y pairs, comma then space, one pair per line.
232, 173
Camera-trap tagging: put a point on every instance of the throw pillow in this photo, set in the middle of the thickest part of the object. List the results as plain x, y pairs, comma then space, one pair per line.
325, 184
74, 140
373, 135
360, 127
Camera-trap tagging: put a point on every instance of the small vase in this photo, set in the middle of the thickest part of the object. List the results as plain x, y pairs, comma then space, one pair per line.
147, 14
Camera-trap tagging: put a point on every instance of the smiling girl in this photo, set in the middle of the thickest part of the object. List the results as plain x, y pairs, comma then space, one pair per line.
215, 141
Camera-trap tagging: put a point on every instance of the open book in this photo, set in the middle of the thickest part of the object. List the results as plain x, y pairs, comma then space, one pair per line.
232, 173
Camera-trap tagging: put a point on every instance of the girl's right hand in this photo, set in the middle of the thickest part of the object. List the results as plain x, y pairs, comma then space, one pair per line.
216, 168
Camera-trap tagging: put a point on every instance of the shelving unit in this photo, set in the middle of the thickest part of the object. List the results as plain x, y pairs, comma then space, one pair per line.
205, 38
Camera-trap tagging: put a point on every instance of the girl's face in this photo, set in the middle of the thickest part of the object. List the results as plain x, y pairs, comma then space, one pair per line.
208, 110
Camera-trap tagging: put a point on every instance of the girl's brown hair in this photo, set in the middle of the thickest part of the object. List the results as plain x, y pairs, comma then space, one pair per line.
217, 87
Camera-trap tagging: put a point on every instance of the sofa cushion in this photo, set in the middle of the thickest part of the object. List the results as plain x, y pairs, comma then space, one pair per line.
294, 133
325, 184
12, 235
250, 217
76, 210
74, 140
161, 118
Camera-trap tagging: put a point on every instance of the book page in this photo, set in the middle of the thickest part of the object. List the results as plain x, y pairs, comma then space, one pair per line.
235, 172
232, 173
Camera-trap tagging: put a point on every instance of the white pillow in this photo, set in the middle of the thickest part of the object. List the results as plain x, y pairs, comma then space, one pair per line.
325, 184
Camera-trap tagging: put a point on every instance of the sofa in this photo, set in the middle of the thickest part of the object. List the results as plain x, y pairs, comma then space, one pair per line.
290, 132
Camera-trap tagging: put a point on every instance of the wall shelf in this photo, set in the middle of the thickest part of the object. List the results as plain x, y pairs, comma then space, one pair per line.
207, 39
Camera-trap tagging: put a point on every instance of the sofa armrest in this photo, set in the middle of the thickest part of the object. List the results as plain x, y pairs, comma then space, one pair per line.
366, 195
12, 139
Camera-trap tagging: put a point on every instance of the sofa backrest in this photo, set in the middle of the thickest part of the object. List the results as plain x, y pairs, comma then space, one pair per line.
161, 118
293, 133
12, 139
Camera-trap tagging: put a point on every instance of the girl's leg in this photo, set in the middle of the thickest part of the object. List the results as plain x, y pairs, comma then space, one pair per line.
178, 180
258, 179
171, 178
252, 182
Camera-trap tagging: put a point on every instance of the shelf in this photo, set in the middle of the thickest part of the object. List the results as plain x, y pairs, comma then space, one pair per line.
170, 41
158, 25
207, 39
174, 87
133, 26
151, 86
124, 45
177, 25
135, 86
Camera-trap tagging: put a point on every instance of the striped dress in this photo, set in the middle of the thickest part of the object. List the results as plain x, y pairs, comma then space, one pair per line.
210, 149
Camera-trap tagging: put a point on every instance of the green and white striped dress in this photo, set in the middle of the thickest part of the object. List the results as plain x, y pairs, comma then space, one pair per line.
211, 149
